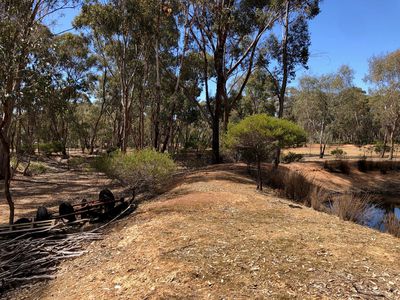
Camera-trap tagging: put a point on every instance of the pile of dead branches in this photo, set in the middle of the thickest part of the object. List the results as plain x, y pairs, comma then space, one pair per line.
25, 260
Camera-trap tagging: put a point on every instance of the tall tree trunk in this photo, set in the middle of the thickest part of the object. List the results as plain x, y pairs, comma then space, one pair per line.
141, 119
156, 118
322, 144
221, 83
5, 173
384, 144
392, 142
282, 90
259, 175
103, 105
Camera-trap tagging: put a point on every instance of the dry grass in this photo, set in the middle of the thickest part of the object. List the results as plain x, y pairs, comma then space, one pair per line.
351, 207
337, 166
319, 199
392, 224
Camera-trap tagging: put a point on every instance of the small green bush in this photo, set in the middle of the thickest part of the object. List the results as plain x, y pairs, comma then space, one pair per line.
338, 153
141, 169
49, 148
26, 149
37, 168
291, 157
378, 147
76, 161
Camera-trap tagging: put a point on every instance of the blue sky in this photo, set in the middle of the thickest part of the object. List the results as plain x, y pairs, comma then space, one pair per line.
352, 31
345, 32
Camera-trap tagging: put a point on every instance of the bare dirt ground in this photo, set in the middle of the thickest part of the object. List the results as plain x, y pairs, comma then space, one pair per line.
59, 183
212, 236
311, 151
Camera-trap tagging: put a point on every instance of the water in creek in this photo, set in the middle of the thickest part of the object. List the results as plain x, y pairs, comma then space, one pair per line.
377, 213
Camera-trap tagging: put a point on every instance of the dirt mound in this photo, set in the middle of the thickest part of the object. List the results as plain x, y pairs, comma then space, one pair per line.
213, 236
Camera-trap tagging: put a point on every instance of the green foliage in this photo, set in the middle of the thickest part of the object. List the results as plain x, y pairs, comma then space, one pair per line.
291, 157
37, 168
262, 134
379, 146
143, 169
50, 148
338, 153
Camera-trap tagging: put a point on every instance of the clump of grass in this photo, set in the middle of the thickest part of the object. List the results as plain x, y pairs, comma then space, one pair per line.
337, 166
36, 168
142, 169
392, 224
292, 185
296, 186
319, 198
76, 161
352, 207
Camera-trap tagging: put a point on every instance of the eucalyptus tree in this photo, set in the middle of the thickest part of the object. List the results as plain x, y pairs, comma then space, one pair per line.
133, 39
115, 29
72, 77
353, 121
313, 109
226, 34
20, 22
331, 108
283, 55
384, 73
257, 96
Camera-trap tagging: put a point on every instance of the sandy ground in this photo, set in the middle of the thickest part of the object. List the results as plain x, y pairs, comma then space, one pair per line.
213, 236
311, 151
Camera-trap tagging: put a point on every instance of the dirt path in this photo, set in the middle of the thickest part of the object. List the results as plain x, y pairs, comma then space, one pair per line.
213, 236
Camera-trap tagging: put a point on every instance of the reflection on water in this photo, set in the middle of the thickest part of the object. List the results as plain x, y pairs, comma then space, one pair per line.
377, 213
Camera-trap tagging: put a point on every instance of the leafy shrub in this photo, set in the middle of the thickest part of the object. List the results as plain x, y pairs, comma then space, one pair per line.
111, 149
26, 149
291, 157
36, 168
258, 136
142, 169
379, 146
337, 166
52, 147
76, 161
338, 153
